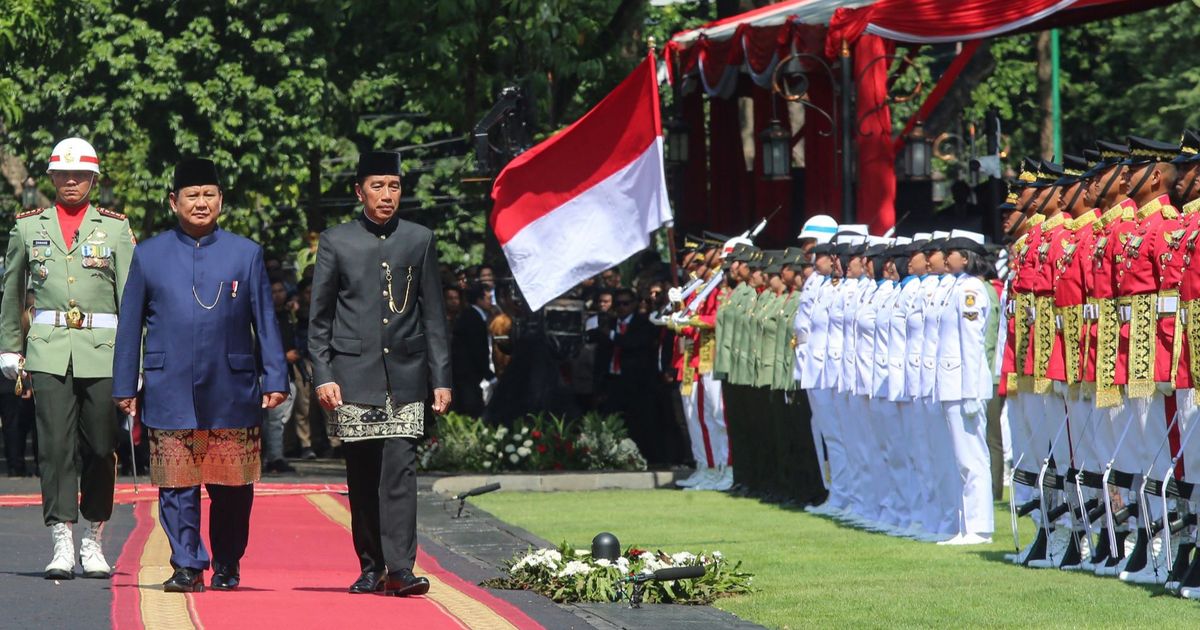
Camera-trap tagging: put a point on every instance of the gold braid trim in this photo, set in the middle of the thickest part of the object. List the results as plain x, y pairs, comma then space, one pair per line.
1108, 331
1192, 326
1072, 317
1043, 343
1142, 345
708, 346
1021, 313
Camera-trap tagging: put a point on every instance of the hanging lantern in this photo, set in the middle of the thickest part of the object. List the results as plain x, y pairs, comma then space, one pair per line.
29, 194
917, 162
107, 197
677, 141
776, 151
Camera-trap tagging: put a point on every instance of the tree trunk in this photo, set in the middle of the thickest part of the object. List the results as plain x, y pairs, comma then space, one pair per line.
1045, 96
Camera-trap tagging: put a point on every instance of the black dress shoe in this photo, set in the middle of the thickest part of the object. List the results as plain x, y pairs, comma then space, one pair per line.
368, 582
403, 583
185, 580
226, 577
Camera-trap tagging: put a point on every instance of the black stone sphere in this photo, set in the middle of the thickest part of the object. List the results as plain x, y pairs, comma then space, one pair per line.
605, 546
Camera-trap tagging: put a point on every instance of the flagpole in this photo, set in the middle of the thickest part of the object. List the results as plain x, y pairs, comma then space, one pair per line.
674, 264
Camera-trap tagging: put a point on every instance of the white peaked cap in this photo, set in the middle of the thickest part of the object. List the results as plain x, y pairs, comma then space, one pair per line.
903, 240
922, 236
857, 228
852, 239
974, 236
940, 234
878, 240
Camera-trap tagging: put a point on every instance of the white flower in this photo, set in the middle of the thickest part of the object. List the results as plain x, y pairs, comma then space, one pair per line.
603, 562
523, 452
527, 443
524, 430
501, 432
575, 567
510, 448
490, 448
718, 556
487, 464
579, 553
514, 458
683, 558
623, 564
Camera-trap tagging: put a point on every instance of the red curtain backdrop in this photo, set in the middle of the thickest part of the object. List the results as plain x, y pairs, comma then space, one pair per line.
695, 211
876, 156
726, 166
757, 46
770, 194
822, 181
929, 21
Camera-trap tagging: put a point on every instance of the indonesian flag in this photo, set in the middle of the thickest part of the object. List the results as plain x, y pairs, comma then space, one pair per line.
587, 198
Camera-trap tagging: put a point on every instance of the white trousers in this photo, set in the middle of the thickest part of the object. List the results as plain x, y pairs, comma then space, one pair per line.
835, 446
860, 450
1189, 415
701, 447
704, 411
914, 483
821, 403
947, 485
969, 439
892, 471
712, 415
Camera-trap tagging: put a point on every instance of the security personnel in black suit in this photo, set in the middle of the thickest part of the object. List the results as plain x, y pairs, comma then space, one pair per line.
471, 351
377, 334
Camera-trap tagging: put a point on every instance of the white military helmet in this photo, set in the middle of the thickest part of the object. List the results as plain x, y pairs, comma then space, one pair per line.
727, 248
73, 154
821, 227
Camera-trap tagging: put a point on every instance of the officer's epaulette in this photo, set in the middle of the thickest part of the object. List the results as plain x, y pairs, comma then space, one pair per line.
31, 213
112, 214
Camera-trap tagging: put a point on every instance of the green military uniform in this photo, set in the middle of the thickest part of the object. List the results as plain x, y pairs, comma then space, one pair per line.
785, 350
68, 349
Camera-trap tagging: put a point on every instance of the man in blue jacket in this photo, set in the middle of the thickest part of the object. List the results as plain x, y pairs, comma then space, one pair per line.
212, 361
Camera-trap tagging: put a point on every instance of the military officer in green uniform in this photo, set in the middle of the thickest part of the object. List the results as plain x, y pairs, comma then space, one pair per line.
73, 259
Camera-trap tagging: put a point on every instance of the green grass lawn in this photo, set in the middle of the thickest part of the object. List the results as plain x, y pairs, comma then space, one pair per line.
812, 572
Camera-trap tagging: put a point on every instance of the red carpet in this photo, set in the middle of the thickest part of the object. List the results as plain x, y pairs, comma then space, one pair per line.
295, 573
125, 494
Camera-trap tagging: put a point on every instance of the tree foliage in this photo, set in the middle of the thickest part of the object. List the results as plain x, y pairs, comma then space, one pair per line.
284, 94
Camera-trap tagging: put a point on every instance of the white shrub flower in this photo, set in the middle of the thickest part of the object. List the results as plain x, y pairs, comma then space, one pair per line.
510, 449
514, 458
490, 448
523, 452
683, 558
575, 567
527, 443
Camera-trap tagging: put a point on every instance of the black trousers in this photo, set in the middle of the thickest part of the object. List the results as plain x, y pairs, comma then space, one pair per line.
75, 416
16, 416
381, 475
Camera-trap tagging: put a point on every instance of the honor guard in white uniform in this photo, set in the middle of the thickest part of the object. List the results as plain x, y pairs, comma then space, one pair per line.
964, 383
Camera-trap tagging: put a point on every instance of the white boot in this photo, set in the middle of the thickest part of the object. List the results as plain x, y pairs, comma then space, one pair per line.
91, 553
62, 565
725, 481
708, 479
694, 479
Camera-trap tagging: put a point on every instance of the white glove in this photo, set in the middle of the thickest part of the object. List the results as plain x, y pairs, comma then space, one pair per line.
10, 365
675, 294
971, 409
1166, 389
140, 383
1059, 388
488, 387
680, 319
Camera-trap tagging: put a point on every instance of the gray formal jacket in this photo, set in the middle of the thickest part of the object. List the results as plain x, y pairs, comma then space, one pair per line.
372, 336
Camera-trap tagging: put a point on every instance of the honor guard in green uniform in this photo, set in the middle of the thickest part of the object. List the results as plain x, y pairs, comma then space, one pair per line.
73, 259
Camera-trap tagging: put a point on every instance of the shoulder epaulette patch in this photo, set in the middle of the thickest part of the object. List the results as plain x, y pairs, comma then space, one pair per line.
112, 214
31, 213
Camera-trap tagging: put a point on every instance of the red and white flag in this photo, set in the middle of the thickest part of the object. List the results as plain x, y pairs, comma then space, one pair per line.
587, 198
